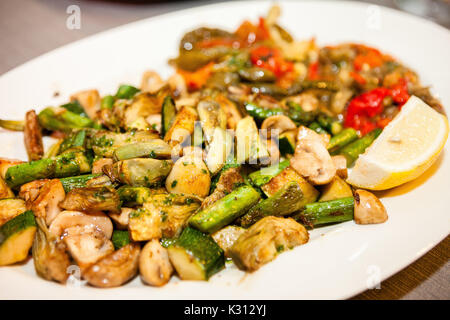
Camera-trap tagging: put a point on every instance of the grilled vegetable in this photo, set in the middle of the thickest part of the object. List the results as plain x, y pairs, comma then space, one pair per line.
287, 200
126, 92
211, 117
116, 268
139, 172
145, 223
195, 255
219, 149
227, 236
104, 143
10, 208
345, 137
155, 148
70, 183
16, 238
132, 196
33, 136
260, 113
5, 191
368, 208
154, 264
333, 211
92, 199
229, 179
168, 115
250, 147
107, 102
182, 127
286, 142
75, 141
264, 175
352, 151
61, 119
263, 241
49, 256
225, 210
189, 175
336, 189
12, 125
120, 238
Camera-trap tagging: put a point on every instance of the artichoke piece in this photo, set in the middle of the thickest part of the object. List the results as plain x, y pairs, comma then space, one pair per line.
155, 148
104, 143
211, 117
250, 147
263, 241
49, 256
92, 199
139, 172
227, 236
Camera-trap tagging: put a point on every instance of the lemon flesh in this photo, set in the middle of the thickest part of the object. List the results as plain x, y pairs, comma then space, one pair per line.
405, 149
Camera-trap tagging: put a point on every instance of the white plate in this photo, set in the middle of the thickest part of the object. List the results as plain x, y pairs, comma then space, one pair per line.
339, 261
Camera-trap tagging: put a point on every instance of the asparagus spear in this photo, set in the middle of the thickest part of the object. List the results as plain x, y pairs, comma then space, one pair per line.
62, 119
70, 183
317, 128
75, 140
75, 107
107, 102
126, 92
345, 137
264, 175
155, 148
225, 210
333, 211
260, 113
285, 201
61, 166
12, 125
298, 115
352, 151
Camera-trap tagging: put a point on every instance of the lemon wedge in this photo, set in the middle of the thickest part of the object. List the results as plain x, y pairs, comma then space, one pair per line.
405, 149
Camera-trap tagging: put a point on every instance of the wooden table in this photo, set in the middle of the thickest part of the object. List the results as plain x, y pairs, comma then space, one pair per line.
29, 28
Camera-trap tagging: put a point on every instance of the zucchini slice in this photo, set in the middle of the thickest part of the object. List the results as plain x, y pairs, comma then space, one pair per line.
196, 256
16, 238
10, 208
287, 142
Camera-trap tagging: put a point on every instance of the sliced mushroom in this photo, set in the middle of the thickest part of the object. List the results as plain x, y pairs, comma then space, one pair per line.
340, 162
49, 256
115, 269
91, 199
33, 136
189, 175
311, 158
121, 219
88, 248
43, 198
182, 127
89, 100
231, 110
368, 208
211, 116
276, 125
154, 264
151, 81
97, 166
178, 85
79, 222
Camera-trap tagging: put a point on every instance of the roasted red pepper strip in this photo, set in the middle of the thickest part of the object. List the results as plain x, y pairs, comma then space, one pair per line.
313, 71
399, 92
270, 59
197, 79
249, 33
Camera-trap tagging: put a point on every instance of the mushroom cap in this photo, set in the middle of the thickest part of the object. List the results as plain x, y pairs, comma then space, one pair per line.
280, 123
368, 208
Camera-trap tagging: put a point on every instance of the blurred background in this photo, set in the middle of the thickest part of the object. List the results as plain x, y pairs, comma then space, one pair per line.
29, 28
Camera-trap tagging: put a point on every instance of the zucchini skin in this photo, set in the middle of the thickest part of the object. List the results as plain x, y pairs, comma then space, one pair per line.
286, 143
120, 238
17, 224
285, 201
225, 210
202, 248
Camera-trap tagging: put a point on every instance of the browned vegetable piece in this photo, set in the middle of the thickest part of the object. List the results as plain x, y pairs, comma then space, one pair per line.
97, 166
33, 136
228, 180
43, 197
368, 208
89, 100
182, 127
116, 268
263, 241
311, 158
154, 264
92, 199
340, 162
